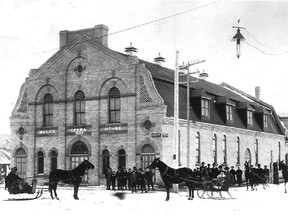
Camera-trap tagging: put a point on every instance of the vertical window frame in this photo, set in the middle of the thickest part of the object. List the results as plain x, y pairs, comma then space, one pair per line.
114, 105
48, 110
79, 108
198, 148
205, 107
229, 113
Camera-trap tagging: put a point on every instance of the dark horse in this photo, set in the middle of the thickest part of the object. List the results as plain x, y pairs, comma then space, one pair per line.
73, 176
170, 176
253, 178
284, 169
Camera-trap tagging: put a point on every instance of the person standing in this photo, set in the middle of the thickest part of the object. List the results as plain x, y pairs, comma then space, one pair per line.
238, 174
133, 180
113, 180
233, 177
108, 174
142, 181
149, 178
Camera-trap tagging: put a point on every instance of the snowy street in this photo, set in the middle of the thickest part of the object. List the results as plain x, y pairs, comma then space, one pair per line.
96, 200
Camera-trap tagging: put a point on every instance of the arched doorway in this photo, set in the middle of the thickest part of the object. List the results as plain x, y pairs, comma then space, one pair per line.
79, 152
21, 160
147, 155
248, 156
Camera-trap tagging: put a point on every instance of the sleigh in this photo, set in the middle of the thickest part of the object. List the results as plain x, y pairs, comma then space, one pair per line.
210, 188
23, 194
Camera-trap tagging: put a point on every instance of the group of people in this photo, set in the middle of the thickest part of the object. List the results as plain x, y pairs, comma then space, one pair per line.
131, 179
235, 176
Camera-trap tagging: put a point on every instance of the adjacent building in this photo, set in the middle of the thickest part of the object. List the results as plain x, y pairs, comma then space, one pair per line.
90, 102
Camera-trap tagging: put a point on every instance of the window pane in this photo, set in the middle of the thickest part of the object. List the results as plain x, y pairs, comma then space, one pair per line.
112, 104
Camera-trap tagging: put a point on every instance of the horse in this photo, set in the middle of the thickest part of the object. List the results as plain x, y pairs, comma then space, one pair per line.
284, 170
170, 176
73, 176
253, 178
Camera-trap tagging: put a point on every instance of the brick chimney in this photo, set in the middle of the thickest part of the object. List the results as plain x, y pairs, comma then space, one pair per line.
99, 34
257, 92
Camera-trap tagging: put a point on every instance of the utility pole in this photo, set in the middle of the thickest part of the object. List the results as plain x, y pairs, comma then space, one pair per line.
187, 67
176, 116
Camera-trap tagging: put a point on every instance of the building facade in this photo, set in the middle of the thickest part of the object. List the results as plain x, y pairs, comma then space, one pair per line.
90, 102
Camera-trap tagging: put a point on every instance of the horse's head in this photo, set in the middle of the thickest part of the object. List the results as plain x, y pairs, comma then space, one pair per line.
281, 165
155, 163
88, 165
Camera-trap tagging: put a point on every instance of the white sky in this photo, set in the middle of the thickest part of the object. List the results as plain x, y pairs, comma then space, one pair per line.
29, 35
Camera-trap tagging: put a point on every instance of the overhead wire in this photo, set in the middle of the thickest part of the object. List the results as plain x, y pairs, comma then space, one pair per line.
265, 46
137, 26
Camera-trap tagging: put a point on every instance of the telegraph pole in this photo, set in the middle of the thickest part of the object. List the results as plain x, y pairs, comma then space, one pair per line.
176, 112
187, 67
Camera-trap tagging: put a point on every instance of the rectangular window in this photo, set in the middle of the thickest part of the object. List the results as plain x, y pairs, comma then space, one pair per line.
265, 121
114, 110
229, 113
205, 108
198, 157
79, 112
249, 117
238, 150
48, 114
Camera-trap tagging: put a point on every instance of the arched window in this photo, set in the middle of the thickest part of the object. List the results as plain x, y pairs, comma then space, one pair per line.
105, 160
198, 155
40, 156
224, 150
121, 158
248, 156
114, 106
79, 108
256, 152
54, 156
238, 150
48, 110
215, 148
21, 159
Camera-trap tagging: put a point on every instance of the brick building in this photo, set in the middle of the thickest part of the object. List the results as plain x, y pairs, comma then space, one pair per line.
88, 101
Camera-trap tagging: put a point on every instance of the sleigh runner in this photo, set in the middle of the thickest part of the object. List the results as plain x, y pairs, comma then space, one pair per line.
24, 194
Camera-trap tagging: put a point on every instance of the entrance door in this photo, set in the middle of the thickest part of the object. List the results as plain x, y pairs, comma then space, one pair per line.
79, 153
147, 156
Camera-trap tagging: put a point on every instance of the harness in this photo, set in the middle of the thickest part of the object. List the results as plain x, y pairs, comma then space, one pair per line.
72, 177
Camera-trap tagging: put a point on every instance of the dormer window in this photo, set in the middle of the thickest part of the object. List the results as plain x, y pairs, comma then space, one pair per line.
229, 113
205, 108
265, 120
249, 117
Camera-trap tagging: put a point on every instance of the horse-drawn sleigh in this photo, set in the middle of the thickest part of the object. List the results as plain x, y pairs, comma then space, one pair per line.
206, 188
17, 185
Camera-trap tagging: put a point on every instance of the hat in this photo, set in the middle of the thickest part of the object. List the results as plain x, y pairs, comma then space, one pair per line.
226, 168
203, 162
14, 168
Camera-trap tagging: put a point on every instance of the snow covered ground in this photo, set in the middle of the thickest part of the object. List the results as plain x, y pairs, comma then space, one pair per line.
97, 201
